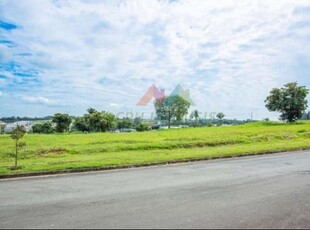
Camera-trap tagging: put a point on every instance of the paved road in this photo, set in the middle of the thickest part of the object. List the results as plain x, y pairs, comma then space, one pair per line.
271, 191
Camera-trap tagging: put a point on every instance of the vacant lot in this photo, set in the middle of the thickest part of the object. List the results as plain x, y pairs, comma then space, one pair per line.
61, 152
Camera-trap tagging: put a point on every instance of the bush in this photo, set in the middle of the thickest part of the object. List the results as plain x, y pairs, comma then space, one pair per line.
125, 123
43, 128
142, 128
37, 128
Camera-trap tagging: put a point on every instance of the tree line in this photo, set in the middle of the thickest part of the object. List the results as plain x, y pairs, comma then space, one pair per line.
92, 121
290, 101
13, 119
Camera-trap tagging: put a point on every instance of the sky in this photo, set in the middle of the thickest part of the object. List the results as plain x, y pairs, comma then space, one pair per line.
67, 56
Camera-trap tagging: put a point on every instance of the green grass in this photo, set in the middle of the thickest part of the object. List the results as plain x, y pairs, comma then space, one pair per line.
59, 152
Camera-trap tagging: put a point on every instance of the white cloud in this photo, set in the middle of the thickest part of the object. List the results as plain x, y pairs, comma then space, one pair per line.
89, 53
40, 100
1, 94
116, 105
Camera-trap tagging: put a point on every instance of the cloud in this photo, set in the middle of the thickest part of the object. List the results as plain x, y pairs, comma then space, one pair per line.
115, 105
91, 53
39, 100
1, 94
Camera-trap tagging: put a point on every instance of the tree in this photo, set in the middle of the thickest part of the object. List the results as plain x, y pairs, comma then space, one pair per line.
109, 121
195, 114
2, 127
43, 128
289, 100
172, 107
17, 134
37, 128
81, 124
95, 121
101, 121
220, 116
47, 127
137, 121
62, 121
124, 123
91, 110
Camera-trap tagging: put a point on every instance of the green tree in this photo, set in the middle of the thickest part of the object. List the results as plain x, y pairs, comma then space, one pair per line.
172, 107
289, 100
220, 116
195, 115
137, 121
109, 121
95, 121
2, 127
17, 134
81, 124
91, 110
47, 127
62, 121
124, 123
101, 121
37, 128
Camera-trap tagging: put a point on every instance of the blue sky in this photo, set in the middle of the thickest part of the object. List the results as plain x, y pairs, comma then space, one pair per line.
66, 56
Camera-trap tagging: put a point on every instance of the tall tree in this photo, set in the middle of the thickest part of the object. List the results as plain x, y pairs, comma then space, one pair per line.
172, 107
195, 115
62, 121
220, 116
17, 134
289, 100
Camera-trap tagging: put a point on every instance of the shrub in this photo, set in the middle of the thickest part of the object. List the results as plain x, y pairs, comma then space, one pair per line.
43, 128
142, 128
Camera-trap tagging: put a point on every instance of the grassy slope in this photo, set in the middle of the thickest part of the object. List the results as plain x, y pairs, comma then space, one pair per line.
68, 151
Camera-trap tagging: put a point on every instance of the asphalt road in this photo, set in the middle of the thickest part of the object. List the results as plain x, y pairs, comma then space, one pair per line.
271, 191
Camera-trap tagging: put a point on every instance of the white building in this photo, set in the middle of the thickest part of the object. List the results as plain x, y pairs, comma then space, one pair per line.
10, 126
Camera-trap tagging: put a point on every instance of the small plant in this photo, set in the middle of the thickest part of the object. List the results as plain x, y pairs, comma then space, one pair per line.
17, 134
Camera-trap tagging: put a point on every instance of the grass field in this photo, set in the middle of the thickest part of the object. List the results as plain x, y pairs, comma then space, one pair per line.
61, 152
